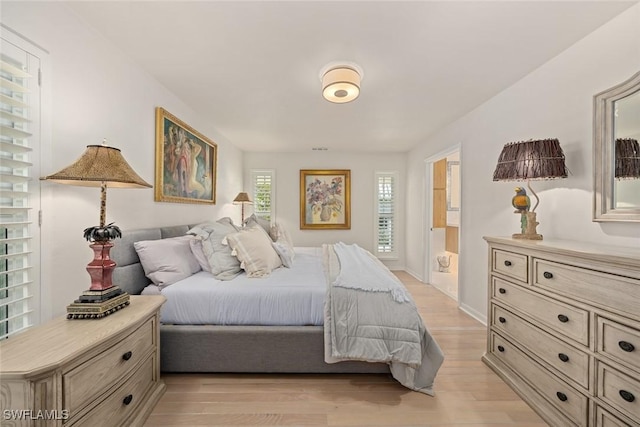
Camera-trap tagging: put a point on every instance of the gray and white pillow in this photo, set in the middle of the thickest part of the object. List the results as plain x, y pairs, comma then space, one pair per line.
223, 265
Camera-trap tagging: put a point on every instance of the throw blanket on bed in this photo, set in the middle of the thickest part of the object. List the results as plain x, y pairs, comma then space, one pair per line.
370, 316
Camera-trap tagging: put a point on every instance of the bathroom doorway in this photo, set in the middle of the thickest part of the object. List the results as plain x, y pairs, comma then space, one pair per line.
443, 221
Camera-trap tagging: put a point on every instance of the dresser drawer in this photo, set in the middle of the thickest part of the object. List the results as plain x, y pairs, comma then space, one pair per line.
569, 361
606, 290
89, 380
605, 419
618, 390
562, 396
510, 264
618, 342
121, 403
563, 318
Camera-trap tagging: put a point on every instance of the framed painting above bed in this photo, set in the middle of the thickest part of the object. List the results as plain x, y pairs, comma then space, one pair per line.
186, 162
325, 199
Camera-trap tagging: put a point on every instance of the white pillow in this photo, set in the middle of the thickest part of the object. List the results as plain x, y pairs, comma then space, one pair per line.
166, 261
285, 252
252, 246
223, 265
198, 252
254, 220
279, 232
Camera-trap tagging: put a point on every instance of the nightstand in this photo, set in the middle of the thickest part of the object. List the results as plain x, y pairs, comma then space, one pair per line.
97, 372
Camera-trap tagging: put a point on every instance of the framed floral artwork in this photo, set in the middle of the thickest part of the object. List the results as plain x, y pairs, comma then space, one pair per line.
325, 199
185, 162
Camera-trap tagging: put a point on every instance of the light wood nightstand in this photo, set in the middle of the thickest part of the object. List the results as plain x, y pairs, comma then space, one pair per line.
94, 372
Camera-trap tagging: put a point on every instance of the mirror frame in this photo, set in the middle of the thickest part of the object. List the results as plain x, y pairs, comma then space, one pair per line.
604, 151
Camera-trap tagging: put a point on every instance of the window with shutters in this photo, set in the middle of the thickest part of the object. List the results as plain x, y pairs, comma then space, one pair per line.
385, 211
19, 189
263, 192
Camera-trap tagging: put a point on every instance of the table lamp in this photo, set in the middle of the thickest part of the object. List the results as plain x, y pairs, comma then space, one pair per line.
100, 166
525, 161
242, 199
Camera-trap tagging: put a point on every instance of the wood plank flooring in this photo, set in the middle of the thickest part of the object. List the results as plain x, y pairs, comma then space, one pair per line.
468, 394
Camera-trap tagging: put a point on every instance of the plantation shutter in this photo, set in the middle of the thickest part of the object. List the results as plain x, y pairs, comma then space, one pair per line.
19, 191
385, 213
263, 190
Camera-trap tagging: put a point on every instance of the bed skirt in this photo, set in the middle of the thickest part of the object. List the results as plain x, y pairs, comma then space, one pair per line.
251, 349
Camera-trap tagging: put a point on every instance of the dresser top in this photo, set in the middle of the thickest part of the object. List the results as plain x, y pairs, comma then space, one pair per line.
59, 340
605, 253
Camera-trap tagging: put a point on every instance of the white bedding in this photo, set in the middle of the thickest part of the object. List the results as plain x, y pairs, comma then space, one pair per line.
289, 296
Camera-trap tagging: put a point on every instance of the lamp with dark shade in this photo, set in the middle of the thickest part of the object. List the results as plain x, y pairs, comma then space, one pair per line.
525, 161
243, 199
627, 160
100, 166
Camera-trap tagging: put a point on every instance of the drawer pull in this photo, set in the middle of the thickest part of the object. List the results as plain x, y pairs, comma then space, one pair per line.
500, 348
507, 263
547, 275
502, 290
127, 399
127, 355
502, 319
563, 397
563, 318
626, 346
563, 357
626, 395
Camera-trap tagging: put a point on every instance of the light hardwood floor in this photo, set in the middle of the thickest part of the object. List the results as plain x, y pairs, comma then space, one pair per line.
468, 394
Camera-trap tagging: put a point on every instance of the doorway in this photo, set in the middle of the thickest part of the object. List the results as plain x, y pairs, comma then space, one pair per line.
443, 221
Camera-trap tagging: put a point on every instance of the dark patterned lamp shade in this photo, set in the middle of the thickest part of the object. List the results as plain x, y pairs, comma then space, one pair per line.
534, 159
627, 160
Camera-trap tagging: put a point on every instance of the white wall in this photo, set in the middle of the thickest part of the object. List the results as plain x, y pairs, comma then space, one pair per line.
362, 166
97, 93
553, 101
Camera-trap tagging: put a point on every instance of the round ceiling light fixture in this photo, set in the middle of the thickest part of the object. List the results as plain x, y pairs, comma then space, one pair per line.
341, 83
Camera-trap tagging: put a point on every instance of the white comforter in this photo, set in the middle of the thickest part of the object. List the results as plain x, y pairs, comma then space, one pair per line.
370, 316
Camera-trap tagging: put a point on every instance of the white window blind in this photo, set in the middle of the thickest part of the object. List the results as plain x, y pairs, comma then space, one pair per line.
263, 190
385, 233
19, 191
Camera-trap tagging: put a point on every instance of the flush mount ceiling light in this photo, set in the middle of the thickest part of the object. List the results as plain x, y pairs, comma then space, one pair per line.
341, 82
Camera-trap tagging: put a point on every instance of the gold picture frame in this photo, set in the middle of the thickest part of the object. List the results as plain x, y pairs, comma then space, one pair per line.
325, 199
186, 162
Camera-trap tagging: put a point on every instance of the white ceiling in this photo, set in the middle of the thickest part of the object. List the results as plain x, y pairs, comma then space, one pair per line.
253, 68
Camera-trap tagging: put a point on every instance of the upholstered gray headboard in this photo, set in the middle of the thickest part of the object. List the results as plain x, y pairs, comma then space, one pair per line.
128, 274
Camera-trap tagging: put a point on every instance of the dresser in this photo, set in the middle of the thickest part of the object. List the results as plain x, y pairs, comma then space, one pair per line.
564, 328
93, 372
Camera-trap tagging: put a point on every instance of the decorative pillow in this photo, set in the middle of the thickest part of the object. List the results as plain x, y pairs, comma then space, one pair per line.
223, 265
165, 261
198, 252
252, 246
285, 252
279, 232
254, 220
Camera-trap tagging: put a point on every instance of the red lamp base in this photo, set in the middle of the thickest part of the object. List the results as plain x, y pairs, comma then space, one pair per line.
102, 298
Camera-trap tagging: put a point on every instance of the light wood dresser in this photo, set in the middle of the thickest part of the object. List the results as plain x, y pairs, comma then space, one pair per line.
94, 372
564, 329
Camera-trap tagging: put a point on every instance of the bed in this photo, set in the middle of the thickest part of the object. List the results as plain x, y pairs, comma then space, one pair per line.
246, 348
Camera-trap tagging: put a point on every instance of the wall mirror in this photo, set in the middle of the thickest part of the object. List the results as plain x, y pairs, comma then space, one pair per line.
616, 124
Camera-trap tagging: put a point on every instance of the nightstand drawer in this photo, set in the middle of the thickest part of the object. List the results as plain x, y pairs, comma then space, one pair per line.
619, 293
564, 397
618, 390
618, 342
120, 404
569, 361
563, 318
80, 384
510, 264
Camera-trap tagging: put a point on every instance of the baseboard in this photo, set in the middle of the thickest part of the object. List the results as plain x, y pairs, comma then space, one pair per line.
414, 274
473, 313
